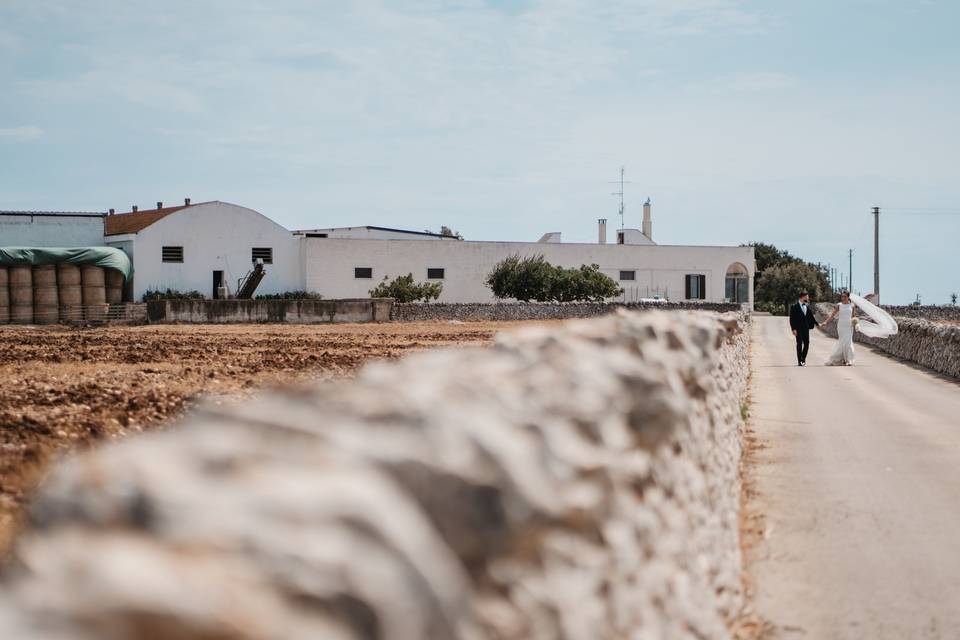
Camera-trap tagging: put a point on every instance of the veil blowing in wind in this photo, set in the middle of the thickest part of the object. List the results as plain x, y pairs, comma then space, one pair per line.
878, 324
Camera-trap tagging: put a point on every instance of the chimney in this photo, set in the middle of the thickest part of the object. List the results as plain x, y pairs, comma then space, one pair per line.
186, 202
112, 212
603, 230
135, 208
647, 221
159, 205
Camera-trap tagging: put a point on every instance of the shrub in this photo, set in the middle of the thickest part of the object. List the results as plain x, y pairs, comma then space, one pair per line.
405, 289
172, 294
533, 278
291, 295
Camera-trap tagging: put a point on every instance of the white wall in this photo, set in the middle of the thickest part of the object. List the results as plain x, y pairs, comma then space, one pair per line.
214, 236
50, 231
329, 265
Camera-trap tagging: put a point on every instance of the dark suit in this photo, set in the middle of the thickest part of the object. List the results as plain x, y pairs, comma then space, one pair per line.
802, 324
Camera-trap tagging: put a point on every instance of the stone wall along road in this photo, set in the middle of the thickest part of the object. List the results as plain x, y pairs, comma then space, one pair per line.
574, 481
539, 310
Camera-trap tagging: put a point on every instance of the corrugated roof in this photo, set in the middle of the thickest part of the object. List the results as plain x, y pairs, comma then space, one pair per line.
132, 222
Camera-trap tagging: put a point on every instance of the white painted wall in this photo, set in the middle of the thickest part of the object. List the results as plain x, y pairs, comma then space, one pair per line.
329, 265
214, 236
50, 231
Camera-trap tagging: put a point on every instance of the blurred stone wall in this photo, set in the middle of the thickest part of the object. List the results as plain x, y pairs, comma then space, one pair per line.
575, 481
929, 344
930, 312
539, 310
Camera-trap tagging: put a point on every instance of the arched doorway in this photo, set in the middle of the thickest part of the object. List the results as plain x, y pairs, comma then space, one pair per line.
738, 284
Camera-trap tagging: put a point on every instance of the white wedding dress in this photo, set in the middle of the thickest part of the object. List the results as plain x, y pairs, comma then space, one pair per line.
843, 353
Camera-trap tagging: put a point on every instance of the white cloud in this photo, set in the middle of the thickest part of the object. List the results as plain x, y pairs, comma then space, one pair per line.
28, 132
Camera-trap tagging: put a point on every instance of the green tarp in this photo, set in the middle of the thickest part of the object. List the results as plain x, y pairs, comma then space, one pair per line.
100, 256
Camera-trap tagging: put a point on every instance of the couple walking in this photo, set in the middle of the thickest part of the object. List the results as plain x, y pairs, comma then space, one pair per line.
803, 321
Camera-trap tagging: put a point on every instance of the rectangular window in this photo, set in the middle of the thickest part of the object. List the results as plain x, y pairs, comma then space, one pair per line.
620, 237
316, 235
262, 253
171, 254
435, 274
628, 275
696, 287
363, 272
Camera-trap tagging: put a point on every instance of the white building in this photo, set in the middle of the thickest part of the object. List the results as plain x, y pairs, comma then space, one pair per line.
202, 247
51, 229
209, 245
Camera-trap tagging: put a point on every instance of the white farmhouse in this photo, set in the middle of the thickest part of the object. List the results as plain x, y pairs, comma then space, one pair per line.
213, 245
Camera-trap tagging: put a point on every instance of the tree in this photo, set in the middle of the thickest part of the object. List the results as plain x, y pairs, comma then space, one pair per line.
781, 284
768, 257
405, 289
533, 278
953, 299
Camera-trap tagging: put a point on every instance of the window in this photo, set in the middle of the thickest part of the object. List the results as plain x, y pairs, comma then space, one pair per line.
262, 253
628, 275
696, 287
620, 237
363, 272
171, 254
316, 235
435, 274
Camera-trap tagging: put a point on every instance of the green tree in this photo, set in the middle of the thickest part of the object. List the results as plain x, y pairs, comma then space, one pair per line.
782, 283
533, 278
405, 289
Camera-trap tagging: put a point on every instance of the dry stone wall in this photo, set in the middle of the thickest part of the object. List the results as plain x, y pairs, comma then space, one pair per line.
931, 312
574, 482
539, 310
929, 344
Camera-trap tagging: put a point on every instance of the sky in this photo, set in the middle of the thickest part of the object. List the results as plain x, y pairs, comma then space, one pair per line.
773, 121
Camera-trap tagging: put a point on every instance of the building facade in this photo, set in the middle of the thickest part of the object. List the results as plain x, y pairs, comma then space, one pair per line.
209, 247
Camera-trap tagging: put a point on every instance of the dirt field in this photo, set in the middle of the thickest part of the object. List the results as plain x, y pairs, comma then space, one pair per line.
64, 388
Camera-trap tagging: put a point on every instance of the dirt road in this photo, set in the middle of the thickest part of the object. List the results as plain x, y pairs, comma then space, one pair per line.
858, 475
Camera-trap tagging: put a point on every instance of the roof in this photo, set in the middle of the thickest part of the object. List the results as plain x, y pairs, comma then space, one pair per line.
58, 214
376, 228
132, 222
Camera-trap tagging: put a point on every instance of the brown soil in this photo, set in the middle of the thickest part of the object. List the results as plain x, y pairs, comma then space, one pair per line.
63, 388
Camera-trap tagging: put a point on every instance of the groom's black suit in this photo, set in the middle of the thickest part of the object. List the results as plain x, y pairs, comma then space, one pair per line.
802, 324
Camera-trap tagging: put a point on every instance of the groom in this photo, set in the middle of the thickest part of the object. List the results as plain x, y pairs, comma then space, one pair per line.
801, 322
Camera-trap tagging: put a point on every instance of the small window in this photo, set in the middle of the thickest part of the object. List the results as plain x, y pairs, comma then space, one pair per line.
696, 287
434, 274
316, 235
628, 275
262, 253
620, 237
172, 254
363, 272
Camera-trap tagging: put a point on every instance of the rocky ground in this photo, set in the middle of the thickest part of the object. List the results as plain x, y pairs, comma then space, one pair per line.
63, 388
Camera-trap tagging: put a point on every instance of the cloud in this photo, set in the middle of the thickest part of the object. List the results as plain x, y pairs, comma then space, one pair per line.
28, 132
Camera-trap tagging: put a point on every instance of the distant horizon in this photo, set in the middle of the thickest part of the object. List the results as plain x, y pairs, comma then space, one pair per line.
742, 121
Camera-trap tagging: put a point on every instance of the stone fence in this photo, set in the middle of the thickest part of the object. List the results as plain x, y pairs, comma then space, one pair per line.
253, 311
538, 310
932, 345
930, 312
576, 481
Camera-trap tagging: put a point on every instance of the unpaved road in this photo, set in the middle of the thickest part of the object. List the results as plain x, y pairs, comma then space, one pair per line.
858, 475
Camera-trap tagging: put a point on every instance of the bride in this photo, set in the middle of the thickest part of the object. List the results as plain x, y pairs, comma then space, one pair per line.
846, 323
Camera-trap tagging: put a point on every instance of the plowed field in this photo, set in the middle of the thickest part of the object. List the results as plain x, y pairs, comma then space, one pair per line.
63, 388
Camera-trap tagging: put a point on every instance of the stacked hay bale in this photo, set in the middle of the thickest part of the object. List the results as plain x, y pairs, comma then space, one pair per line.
94, 292
71, 297
21, 294
45, 300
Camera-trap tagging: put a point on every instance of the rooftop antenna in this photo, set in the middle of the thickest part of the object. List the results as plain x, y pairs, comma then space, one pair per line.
621, 182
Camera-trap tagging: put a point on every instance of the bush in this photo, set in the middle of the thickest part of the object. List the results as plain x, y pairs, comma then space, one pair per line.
405, 289
172, 294
291, 295
781, 284
533, 278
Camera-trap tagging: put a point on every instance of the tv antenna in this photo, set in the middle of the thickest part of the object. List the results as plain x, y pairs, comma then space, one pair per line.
621, 182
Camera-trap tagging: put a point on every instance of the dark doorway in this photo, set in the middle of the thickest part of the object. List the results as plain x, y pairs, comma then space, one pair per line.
217, 284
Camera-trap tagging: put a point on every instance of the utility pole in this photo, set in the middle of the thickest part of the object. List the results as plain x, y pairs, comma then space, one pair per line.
850, 274
876, 254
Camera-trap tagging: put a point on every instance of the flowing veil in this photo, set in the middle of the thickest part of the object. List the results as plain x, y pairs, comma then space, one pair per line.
878, 324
